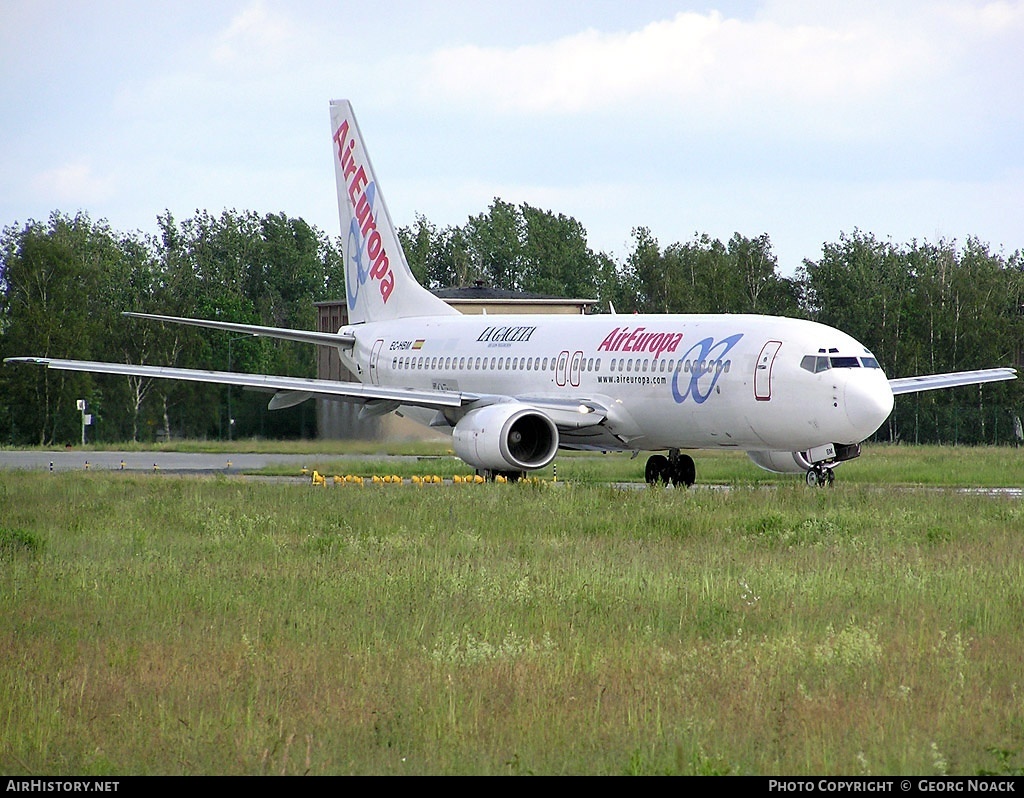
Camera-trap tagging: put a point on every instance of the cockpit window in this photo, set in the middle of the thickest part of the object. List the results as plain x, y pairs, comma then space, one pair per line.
814, 364
818, 363
821, 362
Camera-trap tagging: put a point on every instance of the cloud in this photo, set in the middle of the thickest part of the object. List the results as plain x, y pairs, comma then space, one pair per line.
800, 74
256, 38
73, 184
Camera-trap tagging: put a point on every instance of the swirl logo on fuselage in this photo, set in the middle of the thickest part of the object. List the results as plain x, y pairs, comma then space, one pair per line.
704, 363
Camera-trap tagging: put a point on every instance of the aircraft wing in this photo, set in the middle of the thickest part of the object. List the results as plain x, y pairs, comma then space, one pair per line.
932, 382
289, 390
565, 413
303, 336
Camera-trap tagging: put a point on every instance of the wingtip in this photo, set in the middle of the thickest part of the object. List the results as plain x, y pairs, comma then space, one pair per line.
37, 360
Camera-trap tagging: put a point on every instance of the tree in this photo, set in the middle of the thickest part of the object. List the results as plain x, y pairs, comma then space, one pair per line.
52, 274
647, 274
494, 242
556, 258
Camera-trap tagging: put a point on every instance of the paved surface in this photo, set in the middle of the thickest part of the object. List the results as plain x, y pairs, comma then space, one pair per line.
72, 460
189, 463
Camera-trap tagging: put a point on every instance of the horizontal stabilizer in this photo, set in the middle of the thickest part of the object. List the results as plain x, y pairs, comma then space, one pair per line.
303, 336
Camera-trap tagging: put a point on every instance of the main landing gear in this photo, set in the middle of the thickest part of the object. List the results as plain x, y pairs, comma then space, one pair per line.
819, 476
677, 469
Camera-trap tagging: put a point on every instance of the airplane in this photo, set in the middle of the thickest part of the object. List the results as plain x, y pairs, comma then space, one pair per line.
795, 395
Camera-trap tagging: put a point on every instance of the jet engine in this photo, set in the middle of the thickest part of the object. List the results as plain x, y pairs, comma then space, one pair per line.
506, 437
782, 462
801, 462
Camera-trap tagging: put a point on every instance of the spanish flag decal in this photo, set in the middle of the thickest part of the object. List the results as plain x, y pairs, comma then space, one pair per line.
418, 344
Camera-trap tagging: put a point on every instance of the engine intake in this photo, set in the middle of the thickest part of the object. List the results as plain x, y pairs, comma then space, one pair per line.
506, 437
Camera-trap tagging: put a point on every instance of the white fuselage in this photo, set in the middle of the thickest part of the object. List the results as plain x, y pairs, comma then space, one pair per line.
668, 381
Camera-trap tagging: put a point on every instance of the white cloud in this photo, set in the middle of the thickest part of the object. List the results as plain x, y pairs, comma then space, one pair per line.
779, 116
986, 19
796, 74
256, 38
73, 184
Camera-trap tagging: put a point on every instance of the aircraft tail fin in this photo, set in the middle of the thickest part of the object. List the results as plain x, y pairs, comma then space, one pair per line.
378, 282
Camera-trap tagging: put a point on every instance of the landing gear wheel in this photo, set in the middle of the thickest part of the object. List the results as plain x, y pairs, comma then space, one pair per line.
684, 472
819, 476
657, 469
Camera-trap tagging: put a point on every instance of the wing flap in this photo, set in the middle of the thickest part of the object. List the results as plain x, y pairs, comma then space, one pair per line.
931, 382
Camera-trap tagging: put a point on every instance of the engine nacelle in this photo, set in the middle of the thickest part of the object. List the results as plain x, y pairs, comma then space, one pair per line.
506, 437
781, 462
801, 462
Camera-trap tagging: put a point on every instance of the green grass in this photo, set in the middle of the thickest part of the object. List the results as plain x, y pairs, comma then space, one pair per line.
165, 625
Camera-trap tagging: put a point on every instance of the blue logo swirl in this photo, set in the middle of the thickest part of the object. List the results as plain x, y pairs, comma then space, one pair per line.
704, 368
357, 256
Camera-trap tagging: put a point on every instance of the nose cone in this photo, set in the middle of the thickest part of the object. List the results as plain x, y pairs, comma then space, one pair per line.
868, 401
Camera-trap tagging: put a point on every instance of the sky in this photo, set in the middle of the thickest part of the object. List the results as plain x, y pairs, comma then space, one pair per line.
802, 120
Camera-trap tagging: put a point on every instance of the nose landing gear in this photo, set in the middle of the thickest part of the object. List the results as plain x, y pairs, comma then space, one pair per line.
819, 476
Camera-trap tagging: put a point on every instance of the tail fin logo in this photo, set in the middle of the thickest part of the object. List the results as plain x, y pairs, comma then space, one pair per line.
365, 249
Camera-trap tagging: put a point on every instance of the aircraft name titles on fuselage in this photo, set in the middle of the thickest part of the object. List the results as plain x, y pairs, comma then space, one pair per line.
498, 336
622, 339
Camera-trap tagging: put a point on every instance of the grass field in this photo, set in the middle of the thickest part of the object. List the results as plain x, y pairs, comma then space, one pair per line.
228, 625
